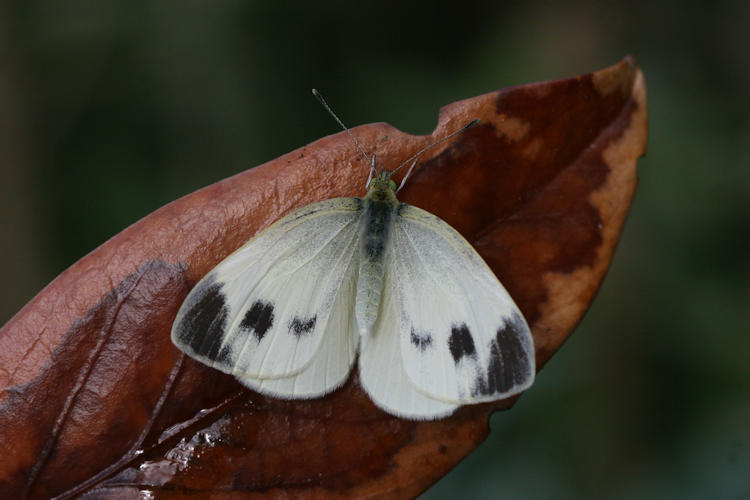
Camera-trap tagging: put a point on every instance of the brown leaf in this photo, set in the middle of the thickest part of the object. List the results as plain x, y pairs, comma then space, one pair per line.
97, 400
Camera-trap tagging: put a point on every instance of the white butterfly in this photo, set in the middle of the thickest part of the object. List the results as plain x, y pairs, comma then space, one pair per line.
287, 313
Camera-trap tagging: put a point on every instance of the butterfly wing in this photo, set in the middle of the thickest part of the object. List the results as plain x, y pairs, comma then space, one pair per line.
462, 338
330, 367
381, 370
268, 309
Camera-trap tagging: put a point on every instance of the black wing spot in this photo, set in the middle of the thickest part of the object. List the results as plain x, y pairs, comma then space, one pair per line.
300, 327
420, 340
203, 326
461, 342
509, 362
259, 318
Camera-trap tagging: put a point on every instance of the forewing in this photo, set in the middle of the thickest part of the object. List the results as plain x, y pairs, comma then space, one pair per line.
381, 370
463, 339
263, 311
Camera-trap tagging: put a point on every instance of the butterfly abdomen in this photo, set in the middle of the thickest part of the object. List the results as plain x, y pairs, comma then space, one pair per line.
377, 219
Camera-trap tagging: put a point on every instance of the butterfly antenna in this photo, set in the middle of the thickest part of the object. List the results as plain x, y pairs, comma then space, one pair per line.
372, 172
415, 157
356, 143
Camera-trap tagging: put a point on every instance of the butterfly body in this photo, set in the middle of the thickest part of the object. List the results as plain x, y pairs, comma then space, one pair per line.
378, 211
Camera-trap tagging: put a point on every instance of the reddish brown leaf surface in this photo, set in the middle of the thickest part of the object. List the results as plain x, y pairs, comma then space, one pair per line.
96, 399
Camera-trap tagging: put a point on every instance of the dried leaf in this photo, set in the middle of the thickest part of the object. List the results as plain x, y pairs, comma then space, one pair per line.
97, 400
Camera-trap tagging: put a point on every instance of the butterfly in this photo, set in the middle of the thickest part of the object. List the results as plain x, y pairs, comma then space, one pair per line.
369, 279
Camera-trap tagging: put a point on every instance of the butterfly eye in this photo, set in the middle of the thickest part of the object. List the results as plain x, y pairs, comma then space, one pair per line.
391, 185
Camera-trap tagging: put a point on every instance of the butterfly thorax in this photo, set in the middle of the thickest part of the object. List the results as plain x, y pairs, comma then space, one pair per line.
379, 208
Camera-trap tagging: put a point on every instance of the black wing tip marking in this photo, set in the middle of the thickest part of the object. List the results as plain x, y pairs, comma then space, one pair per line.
461, 343
224, 356
302, 326
509, 364
420, 340
202, 327
258, 319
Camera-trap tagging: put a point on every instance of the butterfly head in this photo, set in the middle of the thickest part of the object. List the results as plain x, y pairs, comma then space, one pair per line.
382, 180
381, 187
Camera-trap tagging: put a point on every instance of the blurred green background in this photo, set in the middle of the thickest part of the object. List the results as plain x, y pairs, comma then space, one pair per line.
111, 109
